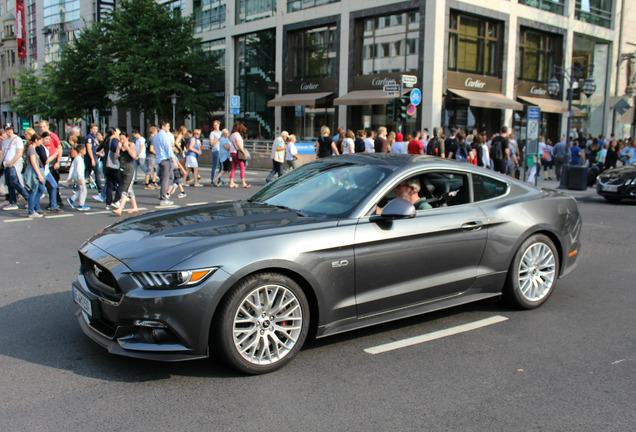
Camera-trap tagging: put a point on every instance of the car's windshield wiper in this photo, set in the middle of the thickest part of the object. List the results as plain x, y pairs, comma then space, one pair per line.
298, 212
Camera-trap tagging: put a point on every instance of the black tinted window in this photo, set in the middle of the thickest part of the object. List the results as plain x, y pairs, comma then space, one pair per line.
486, 188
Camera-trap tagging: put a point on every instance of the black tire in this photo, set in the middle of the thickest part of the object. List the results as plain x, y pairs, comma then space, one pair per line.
533, 273
261, 324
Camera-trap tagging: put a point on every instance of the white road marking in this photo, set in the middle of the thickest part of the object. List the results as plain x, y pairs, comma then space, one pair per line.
435, 335
58, 216
173, 206
18, 220
196, 204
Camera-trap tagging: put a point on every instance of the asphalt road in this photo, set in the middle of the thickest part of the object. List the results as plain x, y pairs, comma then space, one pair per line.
569, 365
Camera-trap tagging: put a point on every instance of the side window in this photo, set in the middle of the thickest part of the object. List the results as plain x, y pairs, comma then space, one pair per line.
445, 188
431, 190
485, 188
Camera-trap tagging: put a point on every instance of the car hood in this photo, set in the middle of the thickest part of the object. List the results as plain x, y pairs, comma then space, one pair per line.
146, 242
620, 171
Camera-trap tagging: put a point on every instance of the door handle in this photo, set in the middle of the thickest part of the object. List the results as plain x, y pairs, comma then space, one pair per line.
473, 226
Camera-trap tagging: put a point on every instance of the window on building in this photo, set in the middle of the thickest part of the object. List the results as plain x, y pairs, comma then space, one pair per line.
556, 6
60, 11
209, 15
250, 10
296, 5
313, 53
32, 32
538, 52
475, 45
388, 43
255, 67
597, 12
176, 7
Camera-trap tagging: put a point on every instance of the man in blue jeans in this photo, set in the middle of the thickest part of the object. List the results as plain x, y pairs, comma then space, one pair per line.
215, 137
11, 157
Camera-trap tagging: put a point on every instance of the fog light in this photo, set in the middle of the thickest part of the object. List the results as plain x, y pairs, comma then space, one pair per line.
149, 323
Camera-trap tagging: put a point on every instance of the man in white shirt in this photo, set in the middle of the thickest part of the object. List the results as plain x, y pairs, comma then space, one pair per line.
11, 157
369, 146
278, 156
140, 147
215, 137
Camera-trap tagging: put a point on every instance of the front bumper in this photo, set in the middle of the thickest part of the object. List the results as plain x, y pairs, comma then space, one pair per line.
166, 325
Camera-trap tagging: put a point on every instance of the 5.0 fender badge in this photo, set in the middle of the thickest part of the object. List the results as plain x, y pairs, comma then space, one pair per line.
338, 264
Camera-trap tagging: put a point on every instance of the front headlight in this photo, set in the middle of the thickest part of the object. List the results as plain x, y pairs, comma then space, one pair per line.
630, 181
173, 279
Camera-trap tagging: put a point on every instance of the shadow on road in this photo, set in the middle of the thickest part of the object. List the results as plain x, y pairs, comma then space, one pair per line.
43, 330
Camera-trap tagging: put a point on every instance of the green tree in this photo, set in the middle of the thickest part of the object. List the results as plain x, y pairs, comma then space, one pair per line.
154, 54
82, 81
34, 94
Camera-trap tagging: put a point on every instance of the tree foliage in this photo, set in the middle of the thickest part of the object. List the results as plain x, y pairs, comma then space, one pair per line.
137, 57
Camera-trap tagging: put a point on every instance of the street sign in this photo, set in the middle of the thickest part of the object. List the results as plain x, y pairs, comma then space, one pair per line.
410, 110
409, 80
235, 105
416, 97
391, 88
533, 123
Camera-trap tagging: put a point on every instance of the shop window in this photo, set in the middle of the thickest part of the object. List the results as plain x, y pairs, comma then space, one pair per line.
255, 67
475, 45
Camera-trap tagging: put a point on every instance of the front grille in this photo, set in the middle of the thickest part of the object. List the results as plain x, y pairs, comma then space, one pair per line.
611, 181
100, 280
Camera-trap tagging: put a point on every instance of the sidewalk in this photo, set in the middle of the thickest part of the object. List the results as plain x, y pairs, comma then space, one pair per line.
554, 184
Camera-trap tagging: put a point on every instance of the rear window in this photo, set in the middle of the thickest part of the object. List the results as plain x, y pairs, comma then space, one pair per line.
485, 188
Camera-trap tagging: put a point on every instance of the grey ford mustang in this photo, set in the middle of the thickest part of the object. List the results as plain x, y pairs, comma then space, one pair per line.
332, 246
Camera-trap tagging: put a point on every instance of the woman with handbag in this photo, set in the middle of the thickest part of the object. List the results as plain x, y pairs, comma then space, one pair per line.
237, 153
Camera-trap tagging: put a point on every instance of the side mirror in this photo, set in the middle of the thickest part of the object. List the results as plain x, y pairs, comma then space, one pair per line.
397, 208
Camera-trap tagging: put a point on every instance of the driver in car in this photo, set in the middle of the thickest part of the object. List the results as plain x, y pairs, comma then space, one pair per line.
409, 190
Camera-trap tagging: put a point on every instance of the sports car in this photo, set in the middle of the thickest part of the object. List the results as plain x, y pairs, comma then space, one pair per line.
335, 245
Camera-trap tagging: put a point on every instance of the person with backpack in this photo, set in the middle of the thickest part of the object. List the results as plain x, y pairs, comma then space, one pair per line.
461, 151
499, 152
435, 146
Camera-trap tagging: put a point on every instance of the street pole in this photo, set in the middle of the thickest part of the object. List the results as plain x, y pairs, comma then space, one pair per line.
174, 106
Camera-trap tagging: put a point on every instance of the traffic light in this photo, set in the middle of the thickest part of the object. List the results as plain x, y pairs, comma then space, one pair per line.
390, 109
403, 104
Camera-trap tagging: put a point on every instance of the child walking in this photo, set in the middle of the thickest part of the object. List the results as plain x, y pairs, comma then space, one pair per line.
76, 175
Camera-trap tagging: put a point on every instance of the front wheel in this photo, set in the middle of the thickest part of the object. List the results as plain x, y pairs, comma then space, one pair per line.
262, 323
533, 273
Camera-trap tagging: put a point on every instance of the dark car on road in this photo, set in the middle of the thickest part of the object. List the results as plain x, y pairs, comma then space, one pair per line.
325, 249
618, 183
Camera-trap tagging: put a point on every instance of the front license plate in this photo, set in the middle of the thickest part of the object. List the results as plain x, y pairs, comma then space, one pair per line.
82, 301
610, 188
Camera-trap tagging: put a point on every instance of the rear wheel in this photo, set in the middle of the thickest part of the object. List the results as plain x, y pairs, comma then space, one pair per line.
533, 273
262, 324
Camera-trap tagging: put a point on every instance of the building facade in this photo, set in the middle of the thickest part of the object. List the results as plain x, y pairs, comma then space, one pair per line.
301, 64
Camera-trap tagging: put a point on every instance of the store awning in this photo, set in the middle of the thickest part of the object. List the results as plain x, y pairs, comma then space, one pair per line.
364, 97
546, 105
308, 99
488, 100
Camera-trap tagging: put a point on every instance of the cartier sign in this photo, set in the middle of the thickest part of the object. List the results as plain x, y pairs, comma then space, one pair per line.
473, 82
376, 82
311, 86
525, 88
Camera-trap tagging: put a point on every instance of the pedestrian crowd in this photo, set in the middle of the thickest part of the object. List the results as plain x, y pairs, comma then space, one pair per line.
110, 161
169, 159
498, 151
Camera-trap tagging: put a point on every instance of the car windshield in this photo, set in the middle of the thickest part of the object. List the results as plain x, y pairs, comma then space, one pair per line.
330, 189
